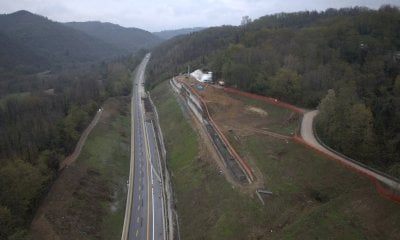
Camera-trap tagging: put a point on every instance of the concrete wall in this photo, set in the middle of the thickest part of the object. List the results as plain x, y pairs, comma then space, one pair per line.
191, 100
195, 105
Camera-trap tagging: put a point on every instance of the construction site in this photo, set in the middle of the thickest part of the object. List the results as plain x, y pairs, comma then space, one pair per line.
226, 119
290, 181
227, 116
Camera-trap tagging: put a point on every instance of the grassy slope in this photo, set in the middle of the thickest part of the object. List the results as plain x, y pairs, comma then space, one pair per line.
107, 152
274, 112
314, 196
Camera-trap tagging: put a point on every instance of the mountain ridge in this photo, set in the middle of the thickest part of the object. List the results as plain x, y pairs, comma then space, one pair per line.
128, 39
168, 34
52, 41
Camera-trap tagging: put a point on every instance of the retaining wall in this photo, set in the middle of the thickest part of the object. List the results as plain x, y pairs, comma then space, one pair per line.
231, 159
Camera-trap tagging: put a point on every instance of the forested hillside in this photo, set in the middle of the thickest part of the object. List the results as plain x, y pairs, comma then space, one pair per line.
167, 34
50, 42
15, 57
298, 57
196, 50
127, 39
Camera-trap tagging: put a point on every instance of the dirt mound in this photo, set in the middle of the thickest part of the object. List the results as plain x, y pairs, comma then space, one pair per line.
257, 110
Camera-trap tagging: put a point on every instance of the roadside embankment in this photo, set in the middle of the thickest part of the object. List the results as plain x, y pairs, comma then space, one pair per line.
238, 167
87, 201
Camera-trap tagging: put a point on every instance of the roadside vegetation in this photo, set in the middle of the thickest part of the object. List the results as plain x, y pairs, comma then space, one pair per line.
107, 152
314, 197
88, 199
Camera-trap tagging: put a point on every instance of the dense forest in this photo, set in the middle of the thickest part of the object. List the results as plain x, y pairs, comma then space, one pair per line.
345, 61
168, 34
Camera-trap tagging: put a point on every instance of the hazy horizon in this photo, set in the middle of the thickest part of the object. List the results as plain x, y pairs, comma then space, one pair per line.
157, 15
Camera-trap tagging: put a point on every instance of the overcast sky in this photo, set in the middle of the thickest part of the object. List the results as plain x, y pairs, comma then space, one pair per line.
156, 15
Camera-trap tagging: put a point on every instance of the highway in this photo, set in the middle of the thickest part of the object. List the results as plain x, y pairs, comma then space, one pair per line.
144, 216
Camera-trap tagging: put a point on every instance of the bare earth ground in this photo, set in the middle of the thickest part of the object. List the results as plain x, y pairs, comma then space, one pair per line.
65, 212
241, 120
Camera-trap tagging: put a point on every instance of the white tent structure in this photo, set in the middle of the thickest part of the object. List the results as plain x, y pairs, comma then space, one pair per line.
202, 77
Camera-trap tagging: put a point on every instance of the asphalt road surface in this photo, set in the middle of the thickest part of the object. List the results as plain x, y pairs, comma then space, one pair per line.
144, 218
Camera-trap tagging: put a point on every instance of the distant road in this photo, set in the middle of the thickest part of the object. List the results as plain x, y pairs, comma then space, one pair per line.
144, 218
307, 133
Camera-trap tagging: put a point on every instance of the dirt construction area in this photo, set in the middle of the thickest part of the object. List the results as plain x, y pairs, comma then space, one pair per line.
239, 117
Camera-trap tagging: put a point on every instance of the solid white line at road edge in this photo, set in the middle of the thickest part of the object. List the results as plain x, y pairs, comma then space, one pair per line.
152, 197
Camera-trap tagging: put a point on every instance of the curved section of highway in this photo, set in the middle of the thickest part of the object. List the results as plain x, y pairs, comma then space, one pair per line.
307, 133
144, 218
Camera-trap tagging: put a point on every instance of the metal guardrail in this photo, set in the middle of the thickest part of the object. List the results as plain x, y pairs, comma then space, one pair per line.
168, 227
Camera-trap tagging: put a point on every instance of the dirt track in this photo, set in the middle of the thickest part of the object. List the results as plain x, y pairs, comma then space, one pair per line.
71, 158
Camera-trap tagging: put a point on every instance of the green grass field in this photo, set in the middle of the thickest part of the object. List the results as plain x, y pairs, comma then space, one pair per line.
275, 113
314, 197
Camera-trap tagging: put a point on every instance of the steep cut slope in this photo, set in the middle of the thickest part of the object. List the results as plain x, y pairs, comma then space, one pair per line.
128, 39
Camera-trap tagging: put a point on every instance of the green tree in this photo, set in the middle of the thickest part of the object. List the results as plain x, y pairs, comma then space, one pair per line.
361, 137
6, 222
286, 85
327, 108
21, 184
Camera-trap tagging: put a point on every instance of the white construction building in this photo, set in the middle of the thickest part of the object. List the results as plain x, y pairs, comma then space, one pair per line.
201, 76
